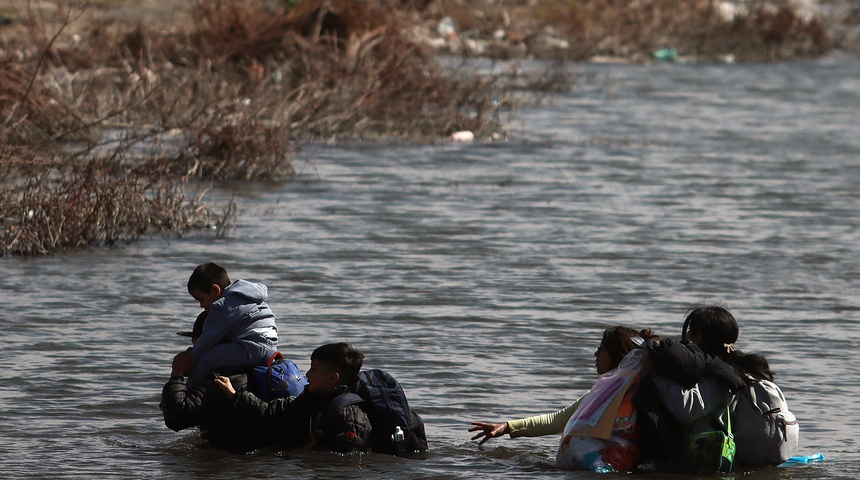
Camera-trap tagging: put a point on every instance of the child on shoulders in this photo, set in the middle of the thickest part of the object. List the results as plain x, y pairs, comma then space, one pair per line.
239, 330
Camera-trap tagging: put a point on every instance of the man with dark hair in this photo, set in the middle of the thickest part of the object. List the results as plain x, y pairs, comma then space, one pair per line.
334, 367
339, 359
204, 406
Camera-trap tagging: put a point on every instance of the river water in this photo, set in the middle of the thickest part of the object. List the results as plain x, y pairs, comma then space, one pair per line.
482, 275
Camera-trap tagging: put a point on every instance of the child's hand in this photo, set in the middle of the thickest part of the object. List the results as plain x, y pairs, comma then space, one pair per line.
225, 386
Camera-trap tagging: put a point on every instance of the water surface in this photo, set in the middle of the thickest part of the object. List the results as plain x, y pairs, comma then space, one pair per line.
482, 275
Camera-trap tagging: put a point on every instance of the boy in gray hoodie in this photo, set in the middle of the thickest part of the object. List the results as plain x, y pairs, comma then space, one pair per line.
239, 330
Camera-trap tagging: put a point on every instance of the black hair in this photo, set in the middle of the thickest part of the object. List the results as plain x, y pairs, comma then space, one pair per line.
342, 358
719, 331
206, 275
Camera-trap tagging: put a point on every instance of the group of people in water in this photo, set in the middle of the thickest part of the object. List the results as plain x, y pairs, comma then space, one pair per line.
662, 392
653, 395
209, 383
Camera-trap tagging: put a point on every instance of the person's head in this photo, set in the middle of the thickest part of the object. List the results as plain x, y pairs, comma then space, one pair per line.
333, 364
197, 330
207, 282
712, 328
617, 342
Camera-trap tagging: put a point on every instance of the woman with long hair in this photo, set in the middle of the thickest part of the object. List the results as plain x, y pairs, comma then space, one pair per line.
620, 452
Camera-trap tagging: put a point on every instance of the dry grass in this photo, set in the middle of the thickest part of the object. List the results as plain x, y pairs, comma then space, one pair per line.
56, 205
340, 70
228, 97
231, 94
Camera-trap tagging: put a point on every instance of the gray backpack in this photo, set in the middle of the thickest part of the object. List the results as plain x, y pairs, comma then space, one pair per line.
765, 431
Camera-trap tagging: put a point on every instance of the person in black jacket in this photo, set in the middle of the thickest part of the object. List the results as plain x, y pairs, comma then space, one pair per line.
314, 416
203, 406
698, 376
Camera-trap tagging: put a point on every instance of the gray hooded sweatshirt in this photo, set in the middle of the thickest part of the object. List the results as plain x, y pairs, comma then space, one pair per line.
240, 314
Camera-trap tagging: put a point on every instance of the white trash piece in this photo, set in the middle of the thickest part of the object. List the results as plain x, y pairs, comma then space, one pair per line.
463, 136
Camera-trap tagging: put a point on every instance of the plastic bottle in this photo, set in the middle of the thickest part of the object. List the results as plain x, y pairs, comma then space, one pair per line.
397, 436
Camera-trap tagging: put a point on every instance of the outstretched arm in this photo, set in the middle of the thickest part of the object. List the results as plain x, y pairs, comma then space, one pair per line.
535, 426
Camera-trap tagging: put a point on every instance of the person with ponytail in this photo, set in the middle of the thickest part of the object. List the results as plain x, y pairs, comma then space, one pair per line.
715, 330
694, 380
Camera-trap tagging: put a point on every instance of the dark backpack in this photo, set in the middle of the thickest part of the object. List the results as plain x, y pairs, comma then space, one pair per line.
396, 429
280, 377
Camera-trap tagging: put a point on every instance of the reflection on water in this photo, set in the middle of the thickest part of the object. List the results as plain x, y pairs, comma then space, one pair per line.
481, 275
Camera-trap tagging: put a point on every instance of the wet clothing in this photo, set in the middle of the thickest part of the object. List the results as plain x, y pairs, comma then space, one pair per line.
687, 393
621, 451
239, 331
206, 407
312, 420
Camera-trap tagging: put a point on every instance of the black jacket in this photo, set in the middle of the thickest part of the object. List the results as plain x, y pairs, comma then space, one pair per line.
309, 419
685, 363
205, 406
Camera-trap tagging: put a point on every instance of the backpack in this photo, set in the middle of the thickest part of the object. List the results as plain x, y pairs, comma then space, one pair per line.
766, 432
280, 377
396, 429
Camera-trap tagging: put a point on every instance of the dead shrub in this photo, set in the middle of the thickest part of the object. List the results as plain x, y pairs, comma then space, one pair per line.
230, 97
47, 206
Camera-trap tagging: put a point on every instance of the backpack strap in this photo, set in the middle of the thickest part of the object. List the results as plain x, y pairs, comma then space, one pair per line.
729, 422
344, 400
753, 398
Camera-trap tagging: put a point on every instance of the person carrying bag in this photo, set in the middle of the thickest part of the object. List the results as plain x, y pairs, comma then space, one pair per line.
708, 452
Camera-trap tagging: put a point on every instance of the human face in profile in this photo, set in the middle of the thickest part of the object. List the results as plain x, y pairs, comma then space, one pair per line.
206, 299
602, 360
320, 378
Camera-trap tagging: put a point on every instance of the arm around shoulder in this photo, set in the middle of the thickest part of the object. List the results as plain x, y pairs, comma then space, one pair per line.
289, 410
690, 404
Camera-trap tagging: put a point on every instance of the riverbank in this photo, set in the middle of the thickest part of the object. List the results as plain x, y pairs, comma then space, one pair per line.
104, 116
118, 107
700, 30
637, 32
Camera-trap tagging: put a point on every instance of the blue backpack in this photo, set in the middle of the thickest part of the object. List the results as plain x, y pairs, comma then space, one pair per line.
280, 377
396, 429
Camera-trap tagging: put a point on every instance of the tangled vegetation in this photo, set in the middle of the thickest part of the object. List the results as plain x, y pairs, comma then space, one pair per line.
229, 97
108, 127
